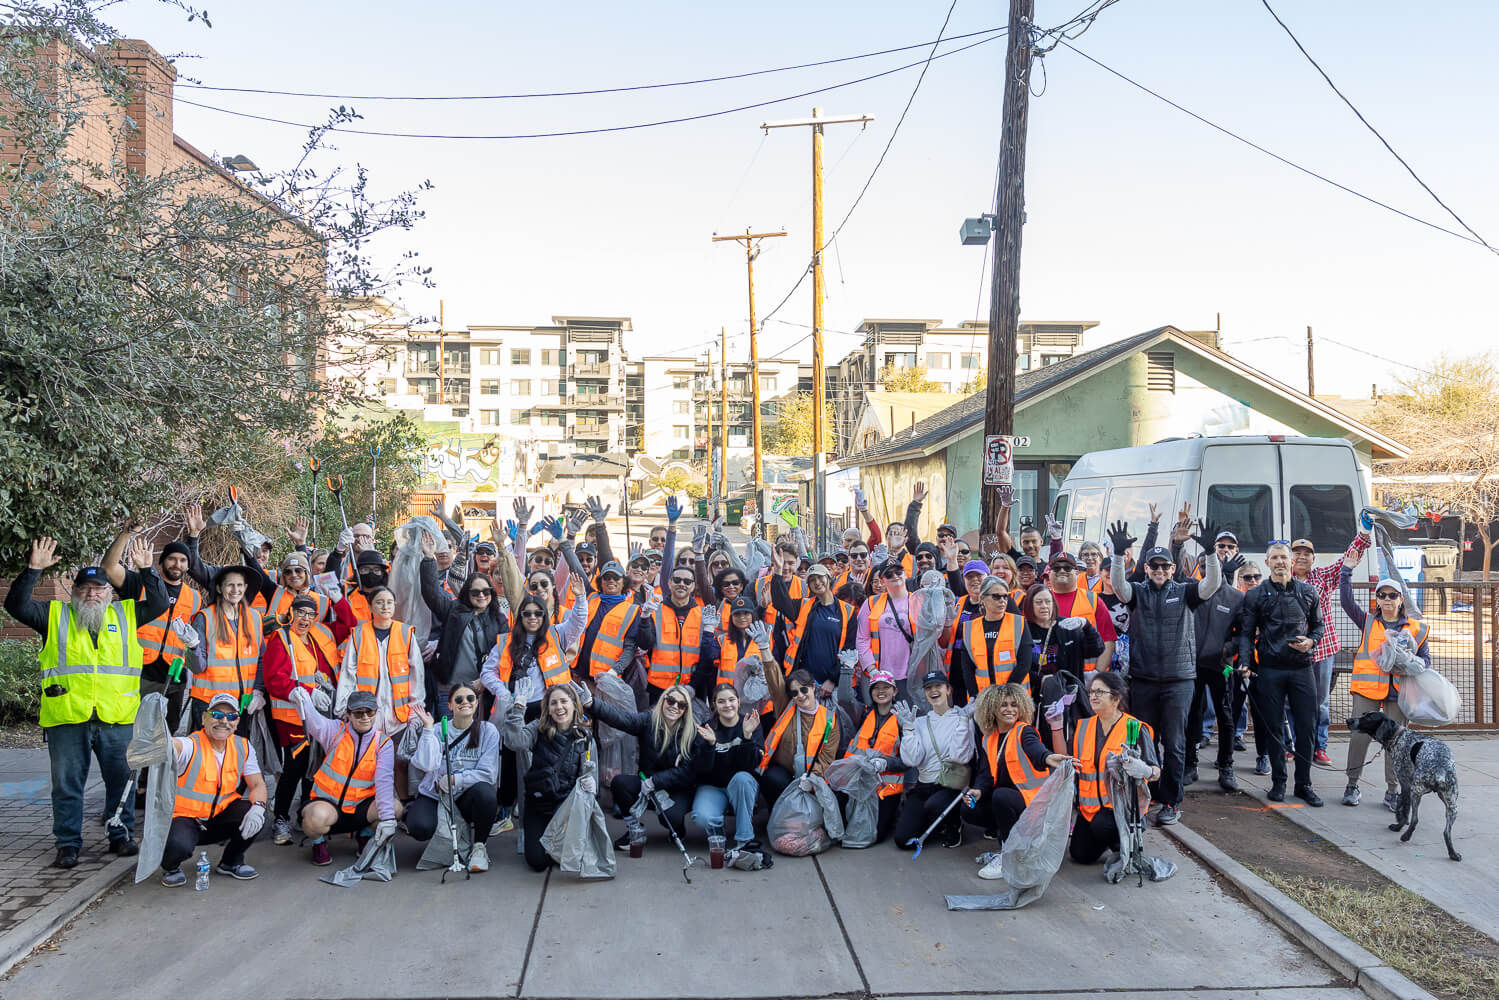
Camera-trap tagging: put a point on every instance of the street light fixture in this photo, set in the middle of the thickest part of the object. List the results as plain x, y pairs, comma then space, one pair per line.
975, 232
239, 163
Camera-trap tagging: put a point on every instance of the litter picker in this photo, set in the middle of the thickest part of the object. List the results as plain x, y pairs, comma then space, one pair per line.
374, 480
687, 860
313, 465
447, 766
336, 487
1137, 865
921, 840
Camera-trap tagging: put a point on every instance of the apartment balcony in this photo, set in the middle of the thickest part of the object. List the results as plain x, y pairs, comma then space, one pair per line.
601, 401
590, 431
419, 365
602, 370
455, 367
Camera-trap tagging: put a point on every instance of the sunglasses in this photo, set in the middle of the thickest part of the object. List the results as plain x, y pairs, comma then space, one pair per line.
1279, 541
965, 553
674, 702
1385, 595
461, 699
801, 689
683, 581
995, 595
304, 613
532, 613
858, 555
480, 592
539, 585
218, 716
294, 569
1250, 576
1226, 545
362, 713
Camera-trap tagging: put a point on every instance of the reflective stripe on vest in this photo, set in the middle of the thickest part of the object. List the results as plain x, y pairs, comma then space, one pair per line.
1367, 679
1023, 775
887, 744
609, 642
727, 663
820, 726
762, 597
1006, 650
1084, 605
799, 629
304, 665
397, 664
554, 670
1091, 746
156, 637
102, 678
678, 644
207, 787
344, 781
230, 656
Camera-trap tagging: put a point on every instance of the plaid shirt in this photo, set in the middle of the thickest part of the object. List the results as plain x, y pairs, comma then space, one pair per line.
1324, 580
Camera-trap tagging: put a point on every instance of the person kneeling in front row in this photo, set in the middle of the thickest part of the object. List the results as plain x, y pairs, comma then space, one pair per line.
355, 787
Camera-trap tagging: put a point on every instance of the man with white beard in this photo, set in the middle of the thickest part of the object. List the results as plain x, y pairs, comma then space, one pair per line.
91, 675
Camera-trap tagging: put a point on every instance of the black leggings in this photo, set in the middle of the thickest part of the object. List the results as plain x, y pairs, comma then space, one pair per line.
1091, 837
293, 776
626, 789
996, 810
533, 821
924, 804
477, 803
509, 779
187, 834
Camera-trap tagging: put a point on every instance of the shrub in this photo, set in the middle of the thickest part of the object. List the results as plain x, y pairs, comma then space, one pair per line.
20, 681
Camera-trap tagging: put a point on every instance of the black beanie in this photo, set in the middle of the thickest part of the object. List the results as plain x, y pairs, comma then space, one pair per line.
174, 549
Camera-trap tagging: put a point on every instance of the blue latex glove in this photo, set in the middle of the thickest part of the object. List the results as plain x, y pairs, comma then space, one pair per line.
510, 529
673, 509
553, 525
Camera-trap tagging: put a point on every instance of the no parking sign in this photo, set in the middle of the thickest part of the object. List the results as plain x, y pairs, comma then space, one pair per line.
999, 460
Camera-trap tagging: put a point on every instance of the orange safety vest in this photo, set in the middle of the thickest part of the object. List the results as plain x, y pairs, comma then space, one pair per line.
360, 605
799, 629
304, 665
207, 786
397, 663
1084, 605
729, 657
876, 605
1367, 679
1006, 651
231, 656
887, 744
1096, 588
1023, 774
609, 642
822, 728
344, 781
794, 590
678, 643
281, 599
548, 658
1092, 746
156, 638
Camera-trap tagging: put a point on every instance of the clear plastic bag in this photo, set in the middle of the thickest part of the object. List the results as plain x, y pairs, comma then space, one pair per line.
1383, 523
618, 750
749, 681
1034, 849
406, 571
933, 608
858, 777
577, 838
150, 749
804, 822
1429, 699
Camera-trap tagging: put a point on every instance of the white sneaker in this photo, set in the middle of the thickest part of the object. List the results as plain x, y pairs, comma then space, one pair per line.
478, 859
985, 858
992, 869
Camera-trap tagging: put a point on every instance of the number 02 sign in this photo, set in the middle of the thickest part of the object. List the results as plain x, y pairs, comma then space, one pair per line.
999, 460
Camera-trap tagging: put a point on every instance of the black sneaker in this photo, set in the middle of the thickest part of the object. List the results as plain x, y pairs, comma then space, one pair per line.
953, 838
991, 834
622, 841
1308, 794
1226, 779
1277, 792
1190, 778
67, 857
125, 847
1239, 744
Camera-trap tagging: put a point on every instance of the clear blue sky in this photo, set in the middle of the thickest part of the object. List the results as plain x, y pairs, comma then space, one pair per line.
1137, 215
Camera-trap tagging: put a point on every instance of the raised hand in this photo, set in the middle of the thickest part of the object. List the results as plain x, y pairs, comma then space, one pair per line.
1231, 567
708, 735
1155, 515
904, 714
1207, 534
575, 522
1183, 529
597, 510
552, 526
918, 492
577, 585
636, 548
511, 530
1120, 538
298, 531
43, 553
429, 545
1053, 528
673, 509
523, 510
140, 553
861, 500
192, 517
699, 538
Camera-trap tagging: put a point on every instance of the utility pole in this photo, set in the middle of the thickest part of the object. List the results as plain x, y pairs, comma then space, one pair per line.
1311, 372
1009, 217
751, 243
819, 477
708, 408
723, 448
441, 343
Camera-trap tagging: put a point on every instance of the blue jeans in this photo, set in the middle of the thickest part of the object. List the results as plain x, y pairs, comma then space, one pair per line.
1322, 682
710, 804
68, 748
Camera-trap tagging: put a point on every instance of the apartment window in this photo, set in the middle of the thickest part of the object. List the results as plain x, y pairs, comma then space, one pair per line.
550, 357
388, 386
970, 361
489, 355
680, 432
681, 381
938, 359
736, 385
1051, 359
768, 383
520, 387
900, 360
489, 387
1025, 362
489, 418
520, 416
681, 406
520, 355
551, 420
549, 387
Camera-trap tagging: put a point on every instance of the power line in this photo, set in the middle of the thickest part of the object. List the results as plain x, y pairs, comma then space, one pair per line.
1275, 156
581, 93
598, 131
1384, 142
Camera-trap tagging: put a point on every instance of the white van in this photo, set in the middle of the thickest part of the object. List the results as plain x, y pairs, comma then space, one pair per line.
1262, 488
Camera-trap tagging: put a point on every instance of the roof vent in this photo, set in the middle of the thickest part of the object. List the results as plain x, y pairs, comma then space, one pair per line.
1160, 371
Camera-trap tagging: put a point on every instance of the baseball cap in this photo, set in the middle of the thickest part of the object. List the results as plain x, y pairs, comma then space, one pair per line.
1303, 543
585, 549
91, 575
975, 566
1063, 559
891, 568
223, 698
1025, 561
742, 603
612, 566
361, 699
933, 677
640, 562
1227, 534
827, 557
1159, 552
819, 570
1390, 582
947, 528
878, 676
486, 547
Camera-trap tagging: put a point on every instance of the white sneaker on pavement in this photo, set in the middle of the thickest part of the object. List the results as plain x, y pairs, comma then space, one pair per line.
992, 869
478, 859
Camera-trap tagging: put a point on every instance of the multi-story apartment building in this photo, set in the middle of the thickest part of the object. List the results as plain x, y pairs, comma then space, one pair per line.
683, 397
952, 356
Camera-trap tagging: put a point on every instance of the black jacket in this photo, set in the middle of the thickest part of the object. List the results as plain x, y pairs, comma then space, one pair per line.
1217, 621
1162, 636
1074, 647
456, 618
1273, 615
556, 765
716, 764
663, 765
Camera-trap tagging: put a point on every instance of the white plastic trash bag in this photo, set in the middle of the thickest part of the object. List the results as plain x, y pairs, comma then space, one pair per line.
150, 749
804, 821
1429, 699
406, 571
1034, 849
577, 838
933, 608
618, 750
750, 683
858, 777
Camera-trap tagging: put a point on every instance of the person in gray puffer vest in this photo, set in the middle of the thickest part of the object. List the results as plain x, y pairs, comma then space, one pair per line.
1163, 653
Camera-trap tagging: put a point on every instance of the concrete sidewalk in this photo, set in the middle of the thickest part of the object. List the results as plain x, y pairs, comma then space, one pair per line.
1469, 889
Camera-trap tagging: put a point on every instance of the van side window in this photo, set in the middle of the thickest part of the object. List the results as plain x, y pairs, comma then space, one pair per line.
1323, 514
1248, 511
1059, 509
1086, 520
1131, 504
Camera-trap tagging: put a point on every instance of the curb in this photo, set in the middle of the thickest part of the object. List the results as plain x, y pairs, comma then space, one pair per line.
1354, 962
17, 944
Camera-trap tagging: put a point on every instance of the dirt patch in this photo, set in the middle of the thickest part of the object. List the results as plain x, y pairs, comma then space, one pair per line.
1424, 942
21, 736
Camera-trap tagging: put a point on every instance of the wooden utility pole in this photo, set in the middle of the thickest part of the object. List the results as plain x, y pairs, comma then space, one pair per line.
819, 478
723, 448
712, 492
440, 345
1009, 217
1311, 371
751, 243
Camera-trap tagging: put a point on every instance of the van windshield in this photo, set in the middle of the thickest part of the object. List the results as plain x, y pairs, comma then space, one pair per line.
1324, 515
1248, 511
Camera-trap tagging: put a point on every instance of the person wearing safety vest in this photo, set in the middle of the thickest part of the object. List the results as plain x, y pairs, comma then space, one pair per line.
820, 638
1011, 767
212, 764
885, 631
227, 658
1374, 690
1090, 554
783, 569
302, 656
880, 732
354, 541
384, 657
996, 646
372, 575
1074, 601
161, 645
354, 788
1093, 742
616, 627
203, 573
293, 581
965, 584
90, 662
804, 738
719, 655
678, 623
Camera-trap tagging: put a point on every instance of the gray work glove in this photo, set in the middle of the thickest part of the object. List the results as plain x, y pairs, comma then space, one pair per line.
588, 785
384, 830
585, 696
903, 713
253, 821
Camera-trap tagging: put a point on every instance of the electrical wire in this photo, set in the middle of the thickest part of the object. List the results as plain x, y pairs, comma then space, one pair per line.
602, 130
1275, 156
583, 93
1384, 142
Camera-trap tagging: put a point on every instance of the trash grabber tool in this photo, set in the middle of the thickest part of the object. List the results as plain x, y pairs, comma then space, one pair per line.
313, 465
687, 860
447, 766
921, 840
374, 480
336, 487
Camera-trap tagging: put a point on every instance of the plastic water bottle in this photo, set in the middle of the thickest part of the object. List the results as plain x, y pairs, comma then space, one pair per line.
202, 884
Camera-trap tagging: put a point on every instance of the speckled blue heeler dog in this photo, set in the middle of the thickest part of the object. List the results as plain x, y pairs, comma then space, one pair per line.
1422, 764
